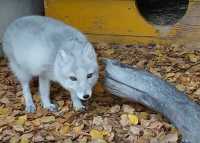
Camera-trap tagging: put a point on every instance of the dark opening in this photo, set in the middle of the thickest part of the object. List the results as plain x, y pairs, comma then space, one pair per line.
162, 12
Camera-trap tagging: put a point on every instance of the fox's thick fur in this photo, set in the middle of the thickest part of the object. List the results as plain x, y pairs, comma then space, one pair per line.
47, 48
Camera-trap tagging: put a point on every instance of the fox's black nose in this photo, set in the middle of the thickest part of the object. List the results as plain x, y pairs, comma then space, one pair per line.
86, 96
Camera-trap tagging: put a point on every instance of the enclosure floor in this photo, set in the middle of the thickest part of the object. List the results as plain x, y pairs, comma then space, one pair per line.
108, 118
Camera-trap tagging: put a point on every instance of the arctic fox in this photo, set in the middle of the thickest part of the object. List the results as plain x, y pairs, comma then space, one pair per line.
44, 47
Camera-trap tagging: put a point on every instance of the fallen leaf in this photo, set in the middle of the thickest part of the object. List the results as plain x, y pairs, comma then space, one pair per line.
144, 115
64, 130
14, 139
4, 111
135, 130
128, 109
24, 140
197, 92
18, 128
50, 138
98, 121
180, 87
95, 134
124, 121
98, 141
115, 109
99, 88
2, 93
133, 119
47, 119
170, 138
78, 129
21, 120
192, 57
38, 138
4, 100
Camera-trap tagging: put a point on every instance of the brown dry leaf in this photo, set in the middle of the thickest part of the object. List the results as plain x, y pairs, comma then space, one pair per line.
9, 119
38, 138
99, 88
124, 121
98, 121
98, 141
65, 130
27, 136
36, 122
50, 138
109, 52
78, 129
197, 92
19, 93
14, 139
170, 138
128, 109
18, 128
115, 109
61, 103
180, 87
4, 100
107, 124
135, 130
2, 93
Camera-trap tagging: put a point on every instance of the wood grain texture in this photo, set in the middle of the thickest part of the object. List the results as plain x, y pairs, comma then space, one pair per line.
119, 21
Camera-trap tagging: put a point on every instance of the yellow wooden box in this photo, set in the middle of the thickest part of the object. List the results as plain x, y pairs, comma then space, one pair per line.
114, 21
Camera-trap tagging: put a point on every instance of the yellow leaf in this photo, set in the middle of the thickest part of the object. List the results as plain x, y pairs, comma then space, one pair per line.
24, 140
65, 129
144, 115
21, 120
47, 119
192, 57
133, 119
78, 129
14, 139
180, 87
95, 134
18, 128
3, 111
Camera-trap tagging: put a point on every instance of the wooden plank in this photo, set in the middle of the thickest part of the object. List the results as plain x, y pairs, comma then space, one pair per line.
115, 21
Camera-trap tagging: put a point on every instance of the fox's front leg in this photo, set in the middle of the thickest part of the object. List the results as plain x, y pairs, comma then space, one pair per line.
44, 85
77, 104
30, 107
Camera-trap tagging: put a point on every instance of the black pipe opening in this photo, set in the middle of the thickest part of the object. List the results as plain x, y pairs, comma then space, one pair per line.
162, 12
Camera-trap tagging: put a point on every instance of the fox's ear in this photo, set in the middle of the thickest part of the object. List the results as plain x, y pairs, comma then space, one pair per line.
89, 51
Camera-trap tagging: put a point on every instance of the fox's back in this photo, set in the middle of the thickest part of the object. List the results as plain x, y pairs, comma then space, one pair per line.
33, 41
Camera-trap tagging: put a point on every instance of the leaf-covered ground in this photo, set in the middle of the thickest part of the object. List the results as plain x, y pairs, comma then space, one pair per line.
108, 118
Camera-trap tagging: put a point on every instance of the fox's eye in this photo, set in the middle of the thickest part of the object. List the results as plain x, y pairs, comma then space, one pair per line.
89, 75
73, 78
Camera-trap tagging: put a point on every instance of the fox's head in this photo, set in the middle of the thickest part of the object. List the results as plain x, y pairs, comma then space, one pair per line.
77, 70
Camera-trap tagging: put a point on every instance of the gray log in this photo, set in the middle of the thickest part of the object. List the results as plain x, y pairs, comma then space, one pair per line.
145, 88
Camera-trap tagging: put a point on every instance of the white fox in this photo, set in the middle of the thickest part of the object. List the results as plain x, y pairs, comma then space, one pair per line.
53, 51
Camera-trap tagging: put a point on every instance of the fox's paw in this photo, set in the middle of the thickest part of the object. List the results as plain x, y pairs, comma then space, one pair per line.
51, 107
79, 107
30, 108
